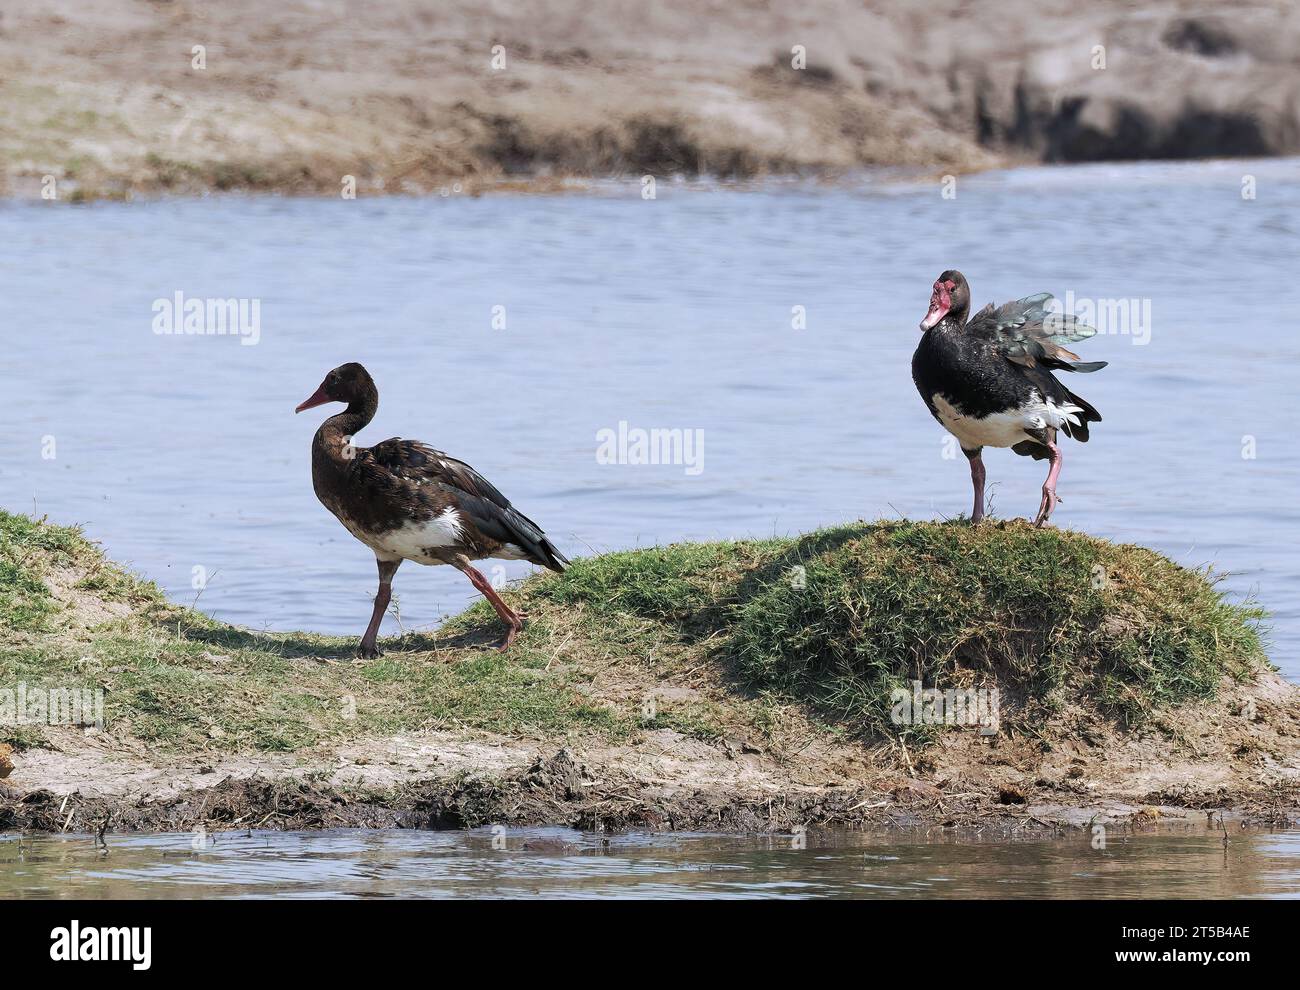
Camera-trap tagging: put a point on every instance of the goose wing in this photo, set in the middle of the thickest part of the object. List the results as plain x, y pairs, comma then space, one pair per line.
1033, 331
398, 462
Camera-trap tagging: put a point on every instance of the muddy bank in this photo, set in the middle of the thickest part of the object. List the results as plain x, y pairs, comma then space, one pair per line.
120, 97
1200, 766
563, 790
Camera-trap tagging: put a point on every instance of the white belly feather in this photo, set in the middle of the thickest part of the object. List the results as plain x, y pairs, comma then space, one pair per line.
421, 541
413, 540
1004, 429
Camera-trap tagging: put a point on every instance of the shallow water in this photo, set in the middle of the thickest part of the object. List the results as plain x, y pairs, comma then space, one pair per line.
182, 452
564, 863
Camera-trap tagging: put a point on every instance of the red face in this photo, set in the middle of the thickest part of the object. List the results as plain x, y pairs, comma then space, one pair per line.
940, 303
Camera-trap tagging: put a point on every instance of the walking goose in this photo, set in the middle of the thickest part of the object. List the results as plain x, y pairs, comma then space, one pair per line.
407, 501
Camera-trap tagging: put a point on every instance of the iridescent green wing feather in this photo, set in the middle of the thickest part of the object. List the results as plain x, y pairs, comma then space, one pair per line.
1033, 331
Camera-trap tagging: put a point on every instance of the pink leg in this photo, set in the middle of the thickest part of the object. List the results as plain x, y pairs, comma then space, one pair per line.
508, 615
1049, 501
977, 481
369, 648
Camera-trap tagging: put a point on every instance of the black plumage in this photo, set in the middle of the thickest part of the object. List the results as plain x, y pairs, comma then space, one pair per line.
989, 381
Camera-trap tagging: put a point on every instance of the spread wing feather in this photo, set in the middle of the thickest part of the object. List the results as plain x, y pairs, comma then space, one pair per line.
1031, 331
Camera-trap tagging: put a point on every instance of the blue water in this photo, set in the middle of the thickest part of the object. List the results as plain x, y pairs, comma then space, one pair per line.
181, 452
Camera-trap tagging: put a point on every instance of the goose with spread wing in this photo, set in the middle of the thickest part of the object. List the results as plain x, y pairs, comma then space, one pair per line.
407, 501
989, 380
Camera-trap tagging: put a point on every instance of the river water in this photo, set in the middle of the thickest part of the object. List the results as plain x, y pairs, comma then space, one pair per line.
511, 330
558, 863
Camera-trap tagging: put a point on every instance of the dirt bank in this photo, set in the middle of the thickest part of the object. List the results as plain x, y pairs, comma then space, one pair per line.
697, 686
1216, 767
110, 98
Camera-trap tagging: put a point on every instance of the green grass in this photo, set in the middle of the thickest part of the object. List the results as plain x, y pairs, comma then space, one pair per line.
179, 680
1049, 615
839, 618
25, 546
826, 624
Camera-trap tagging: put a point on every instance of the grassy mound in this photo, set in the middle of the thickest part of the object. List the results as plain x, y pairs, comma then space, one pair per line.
840, 618
1051, 615
811, 632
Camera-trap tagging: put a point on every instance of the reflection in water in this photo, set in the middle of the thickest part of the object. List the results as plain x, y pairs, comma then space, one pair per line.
564, 863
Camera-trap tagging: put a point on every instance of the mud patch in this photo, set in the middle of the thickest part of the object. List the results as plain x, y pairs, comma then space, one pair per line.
606, 789
74, 588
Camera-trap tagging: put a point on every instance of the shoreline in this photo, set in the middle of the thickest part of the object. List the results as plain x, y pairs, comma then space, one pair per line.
545, 795
561, 790
867, 181
611, 186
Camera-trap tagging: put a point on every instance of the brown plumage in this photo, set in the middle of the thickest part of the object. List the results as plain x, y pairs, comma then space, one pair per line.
408, 501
